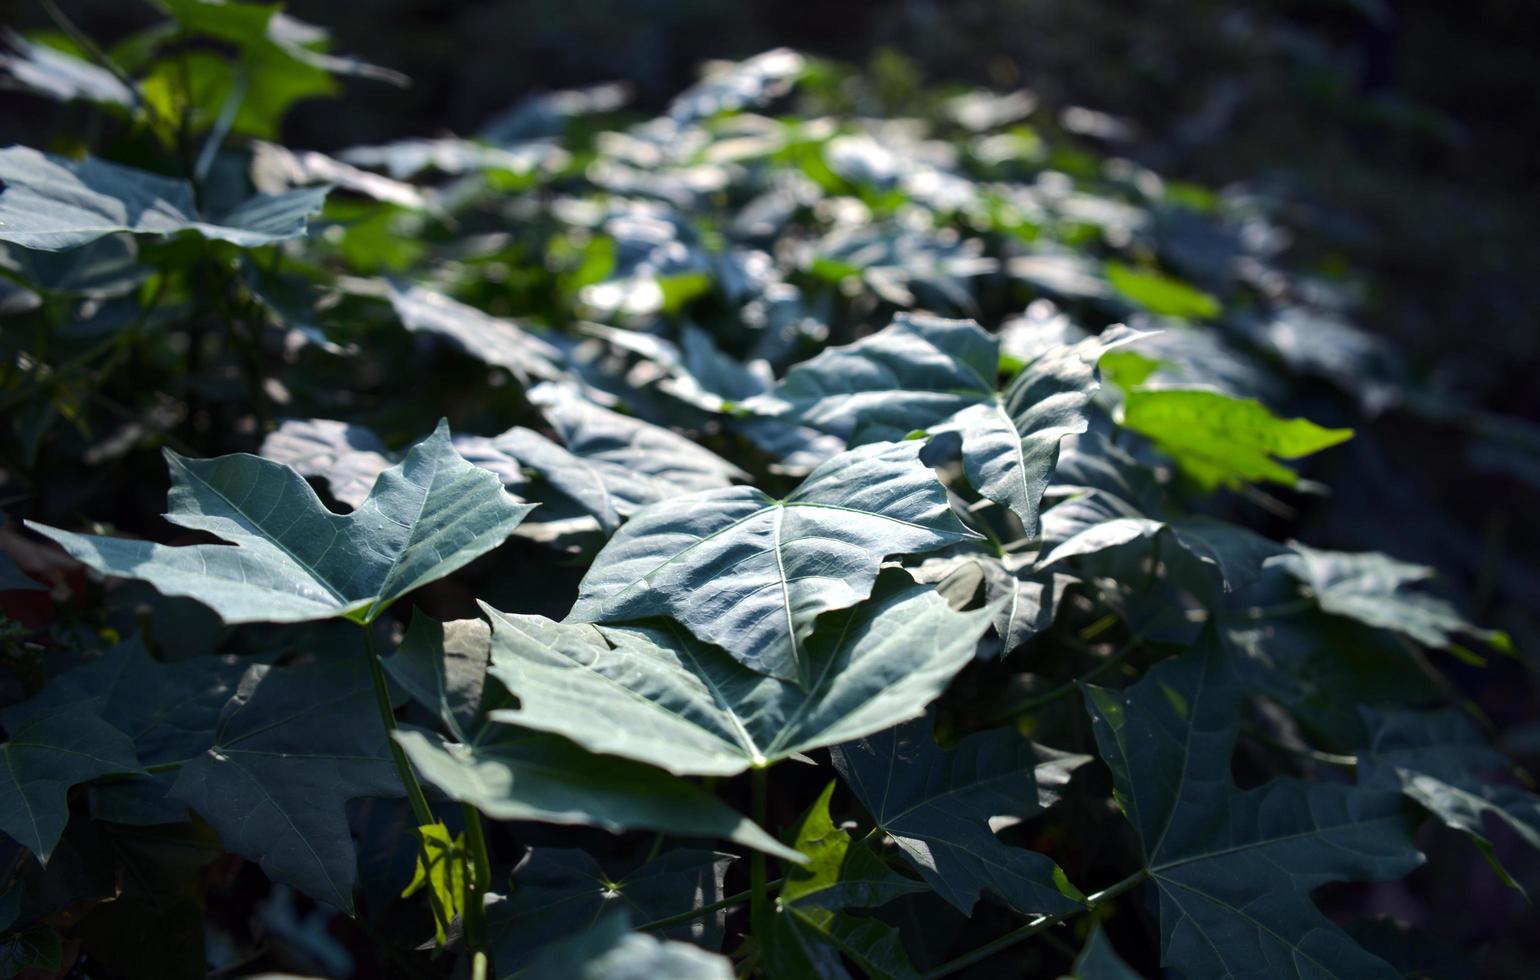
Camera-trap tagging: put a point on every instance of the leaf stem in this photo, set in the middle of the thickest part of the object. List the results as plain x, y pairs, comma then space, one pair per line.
414, 795
759, 897
1036, 926
693, 914
477, 883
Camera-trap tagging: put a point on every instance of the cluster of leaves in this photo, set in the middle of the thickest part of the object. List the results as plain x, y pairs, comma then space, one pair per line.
930, 458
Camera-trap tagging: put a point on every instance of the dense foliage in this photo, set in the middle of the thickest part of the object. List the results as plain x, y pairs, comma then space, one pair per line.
765, 539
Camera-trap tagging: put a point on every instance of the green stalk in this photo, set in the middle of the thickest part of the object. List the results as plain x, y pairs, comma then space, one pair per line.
704, 910
478, 881
414, 794
759, 895
1034, 927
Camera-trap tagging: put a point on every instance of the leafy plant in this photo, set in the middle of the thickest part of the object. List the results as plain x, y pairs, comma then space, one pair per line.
792, 598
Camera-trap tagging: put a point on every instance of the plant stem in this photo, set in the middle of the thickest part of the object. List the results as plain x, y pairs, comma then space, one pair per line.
477, 883
414, 795
1034, 927
759, 897
693, 914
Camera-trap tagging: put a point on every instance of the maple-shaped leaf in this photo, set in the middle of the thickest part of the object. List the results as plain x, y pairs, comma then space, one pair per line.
1441, 760
168, 710
48, 752
558, 892
1235, 868
291, 559
656, 694
926, 373
53, 203
937, 806
513, 774
292, 747
1374, 589
750, 573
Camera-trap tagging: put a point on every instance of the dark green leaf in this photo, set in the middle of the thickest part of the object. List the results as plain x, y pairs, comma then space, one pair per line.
936, 805
1235, 868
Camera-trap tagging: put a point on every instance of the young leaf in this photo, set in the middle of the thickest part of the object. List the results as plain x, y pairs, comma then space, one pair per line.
840, 873
558, 892
1372, 588
936, 805
1235, 868
1025, 600
48, 752
1219, 440
52, 203
1160, 294
441, 867
750, 573
657, 695
293, 746
293, 559
1437, 758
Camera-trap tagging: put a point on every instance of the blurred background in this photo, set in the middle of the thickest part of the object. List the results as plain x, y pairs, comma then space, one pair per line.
1405, 131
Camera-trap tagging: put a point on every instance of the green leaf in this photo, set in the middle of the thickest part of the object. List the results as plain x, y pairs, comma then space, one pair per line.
1113, 509
609, 951
936, 805
1160, 294
612, 464
809, 941
1219, 440
511, 774
47, 753
293, 746
519, 776
293, 559
1235, 868
913, 374
1010, 444
500, 343
657, 695
750, 573
558, 892
1099, 961
52, 203
1373, 588
1025, 600
441, 870
925, 373
1438, 758
840, 873
53, 73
